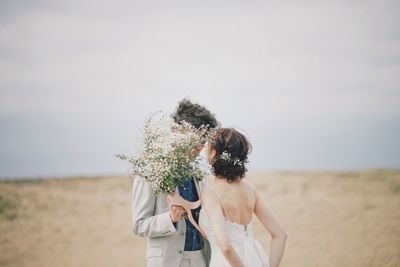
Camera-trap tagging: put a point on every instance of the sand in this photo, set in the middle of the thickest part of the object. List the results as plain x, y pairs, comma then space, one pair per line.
332, 218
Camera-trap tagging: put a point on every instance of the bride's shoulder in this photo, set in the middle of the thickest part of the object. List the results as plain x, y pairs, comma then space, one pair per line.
250, 187
206, 191
209, 194
247, 181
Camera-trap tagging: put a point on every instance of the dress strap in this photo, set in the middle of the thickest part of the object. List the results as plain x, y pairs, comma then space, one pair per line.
252, 191
220, 199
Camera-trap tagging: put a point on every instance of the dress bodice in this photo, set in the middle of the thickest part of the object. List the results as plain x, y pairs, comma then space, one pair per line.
241, 236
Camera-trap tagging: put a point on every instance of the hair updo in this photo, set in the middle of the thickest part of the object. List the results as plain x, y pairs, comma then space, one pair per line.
232, 149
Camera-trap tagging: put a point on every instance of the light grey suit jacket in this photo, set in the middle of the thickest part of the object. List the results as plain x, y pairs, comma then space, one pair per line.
150, 218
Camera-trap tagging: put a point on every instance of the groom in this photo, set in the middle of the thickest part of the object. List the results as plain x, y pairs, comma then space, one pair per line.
172, 240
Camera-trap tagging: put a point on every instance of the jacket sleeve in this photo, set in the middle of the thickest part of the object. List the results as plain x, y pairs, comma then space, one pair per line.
145, 223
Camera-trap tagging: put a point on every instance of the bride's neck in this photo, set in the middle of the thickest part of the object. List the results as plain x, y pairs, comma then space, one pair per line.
222, 180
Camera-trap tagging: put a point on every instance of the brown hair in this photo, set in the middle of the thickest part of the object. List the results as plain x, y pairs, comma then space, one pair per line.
194, 114
232, 149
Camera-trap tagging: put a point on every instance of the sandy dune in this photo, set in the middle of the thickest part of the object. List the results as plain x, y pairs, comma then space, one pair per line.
333, 219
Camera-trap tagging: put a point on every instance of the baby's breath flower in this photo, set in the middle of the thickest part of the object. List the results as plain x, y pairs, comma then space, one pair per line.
228, 158
165, 158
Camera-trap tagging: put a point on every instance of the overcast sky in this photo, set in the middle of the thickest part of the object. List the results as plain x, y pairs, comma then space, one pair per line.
313, 84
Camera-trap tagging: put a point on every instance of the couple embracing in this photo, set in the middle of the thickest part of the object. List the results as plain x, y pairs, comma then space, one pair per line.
228, 202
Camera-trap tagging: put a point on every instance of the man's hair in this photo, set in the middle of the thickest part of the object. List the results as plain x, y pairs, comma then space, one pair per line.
194, 114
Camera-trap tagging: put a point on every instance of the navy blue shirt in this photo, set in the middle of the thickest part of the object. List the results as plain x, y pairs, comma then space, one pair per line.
192, 238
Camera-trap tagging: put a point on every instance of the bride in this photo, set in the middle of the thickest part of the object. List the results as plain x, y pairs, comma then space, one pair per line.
228, 204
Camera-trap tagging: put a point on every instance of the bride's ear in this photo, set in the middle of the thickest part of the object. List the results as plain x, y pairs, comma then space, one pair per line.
212, 152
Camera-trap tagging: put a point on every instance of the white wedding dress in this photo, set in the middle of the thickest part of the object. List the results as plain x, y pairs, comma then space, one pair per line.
250, 250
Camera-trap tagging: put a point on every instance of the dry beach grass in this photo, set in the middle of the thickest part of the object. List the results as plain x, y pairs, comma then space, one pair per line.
333, 219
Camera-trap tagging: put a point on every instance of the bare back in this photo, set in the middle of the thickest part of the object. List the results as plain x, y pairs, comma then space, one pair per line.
236, 200
226, 218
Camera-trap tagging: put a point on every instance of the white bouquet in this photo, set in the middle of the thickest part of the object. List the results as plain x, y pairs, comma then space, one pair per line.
166, 157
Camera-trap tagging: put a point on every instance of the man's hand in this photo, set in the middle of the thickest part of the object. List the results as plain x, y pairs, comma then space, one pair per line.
175, 212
